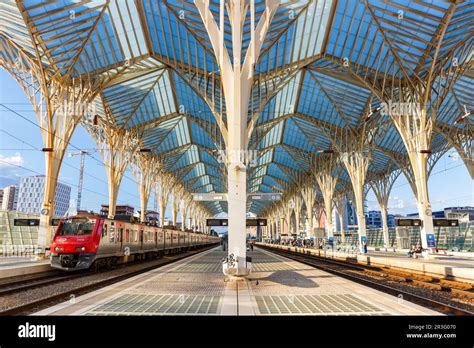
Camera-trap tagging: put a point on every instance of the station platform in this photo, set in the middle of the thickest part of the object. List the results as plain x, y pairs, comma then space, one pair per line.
468, 255
276, 286
22, 265
447, 266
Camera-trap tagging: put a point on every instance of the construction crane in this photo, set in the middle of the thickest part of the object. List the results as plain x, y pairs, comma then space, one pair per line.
81, 153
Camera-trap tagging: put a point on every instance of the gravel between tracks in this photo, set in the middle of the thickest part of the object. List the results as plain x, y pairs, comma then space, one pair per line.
436, 295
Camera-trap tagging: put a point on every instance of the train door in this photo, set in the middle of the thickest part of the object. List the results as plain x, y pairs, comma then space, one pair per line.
166, 240
120, 237
112, 238
140, 239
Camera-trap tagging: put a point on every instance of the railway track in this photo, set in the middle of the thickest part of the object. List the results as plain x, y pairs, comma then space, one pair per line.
28, 284
359, 274
44, 302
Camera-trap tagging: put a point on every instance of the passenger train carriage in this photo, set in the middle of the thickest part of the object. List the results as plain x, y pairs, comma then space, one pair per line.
84, 242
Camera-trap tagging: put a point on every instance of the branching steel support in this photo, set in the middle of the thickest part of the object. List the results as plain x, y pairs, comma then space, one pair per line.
237, 80
357, 163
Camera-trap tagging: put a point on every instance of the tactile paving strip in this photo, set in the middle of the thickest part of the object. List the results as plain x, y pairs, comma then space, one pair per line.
185, 285
269, 267
345, 304
129, 304
215, 267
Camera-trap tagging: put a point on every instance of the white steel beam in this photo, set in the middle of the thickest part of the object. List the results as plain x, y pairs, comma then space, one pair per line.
237, 83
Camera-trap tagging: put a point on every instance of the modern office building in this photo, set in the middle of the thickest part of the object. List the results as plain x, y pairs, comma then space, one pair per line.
436, 214
31, 192
9, 197
373, 219
350, 218
461, 213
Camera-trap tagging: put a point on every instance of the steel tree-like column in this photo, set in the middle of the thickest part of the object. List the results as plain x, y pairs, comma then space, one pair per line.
298, 207
185, 208
59, 102
340, 203
177, 195
163, 191
290, 204
461, 138
237, 79
357, 163
415, 129
58, 120
382, 187
116, 147
144, 171
309, 196
327, 180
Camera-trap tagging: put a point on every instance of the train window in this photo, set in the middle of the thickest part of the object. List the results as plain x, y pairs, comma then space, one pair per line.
119, 235
104, 230
76, 227
141, 236
112, 234
135, 232
127, 236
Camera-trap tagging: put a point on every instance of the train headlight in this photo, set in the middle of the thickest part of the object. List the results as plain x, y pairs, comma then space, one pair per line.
80, 248
58, 248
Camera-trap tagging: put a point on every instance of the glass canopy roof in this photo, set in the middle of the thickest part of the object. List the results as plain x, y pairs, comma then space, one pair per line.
314, 81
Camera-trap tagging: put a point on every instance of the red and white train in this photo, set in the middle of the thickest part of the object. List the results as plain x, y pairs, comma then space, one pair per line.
84, 242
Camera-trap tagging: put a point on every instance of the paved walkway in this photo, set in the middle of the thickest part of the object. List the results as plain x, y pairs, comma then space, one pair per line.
277, 286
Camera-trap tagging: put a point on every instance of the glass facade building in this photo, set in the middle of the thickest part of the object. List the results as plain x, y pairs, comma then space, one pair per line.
31, 192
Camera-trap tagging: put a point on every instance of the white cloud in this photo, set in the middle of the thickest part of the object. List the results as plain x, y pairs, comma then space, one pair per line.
9, 165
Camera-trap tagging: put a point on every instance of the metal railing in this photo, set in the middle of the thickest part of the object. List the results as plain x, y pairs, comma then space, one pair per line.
459, 238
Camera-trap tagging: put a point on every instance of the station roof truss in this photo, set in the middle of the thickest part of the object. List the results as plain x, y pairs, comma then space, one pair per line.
324, 66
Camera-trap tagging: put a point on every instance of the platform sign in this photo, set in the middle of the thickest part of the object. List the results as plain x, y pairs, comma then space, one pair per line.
215, 197
210, 197
256, 222
225, 222
445, 222
408, 222
26, 222
430, 240
264, 196
216, 222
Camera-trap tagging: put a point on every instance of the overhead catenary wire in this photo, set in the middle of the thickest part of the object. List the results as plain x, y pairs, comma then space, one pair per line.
63, 181
58, 137
33, 148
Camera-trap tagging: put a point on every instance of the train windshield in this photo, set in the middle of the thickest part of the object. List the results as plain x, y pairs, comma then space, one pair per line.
76, 227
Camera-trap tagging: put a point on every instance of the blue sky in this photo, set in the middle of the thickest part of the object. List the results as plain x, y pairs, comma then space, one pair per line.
449, 185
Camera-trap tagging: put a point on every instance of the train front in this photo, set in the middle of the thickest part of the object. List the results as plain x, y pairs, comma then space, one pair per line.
75, 243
